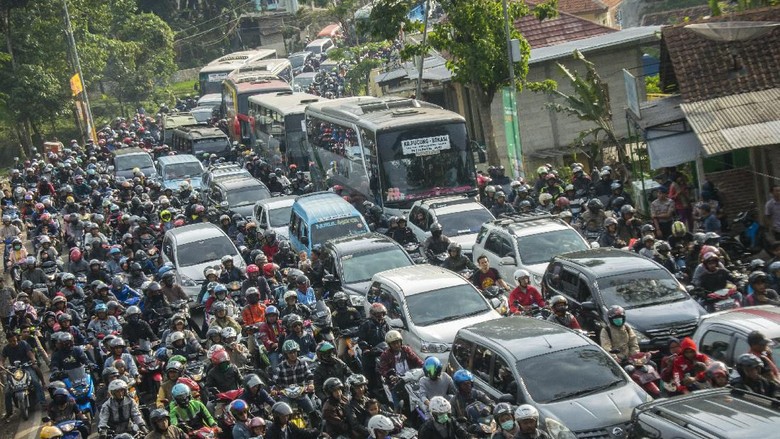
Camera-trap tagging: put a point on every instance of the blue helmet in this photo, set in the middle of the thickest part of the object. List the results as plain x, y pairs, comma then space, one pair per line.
220, 289
165, 268
114, 251
271, 310
463, 376
432, 367
180, 390
162, 354
101, 307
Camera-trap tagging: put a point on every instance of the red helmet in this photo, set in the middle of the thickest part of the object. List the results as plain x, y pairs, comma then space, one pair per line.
75, 255
45, 217
127, 141
252, 268
562, 202
189, 382
219, 356
269, 268
178, 223
39, 206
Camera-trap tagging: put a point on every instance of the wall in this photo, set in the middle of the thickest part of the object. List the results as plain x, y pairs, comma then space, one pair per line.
737, 189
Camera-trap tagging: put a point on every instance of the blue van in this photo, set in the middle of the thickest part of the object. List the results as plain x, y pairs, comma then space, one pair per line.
320, 216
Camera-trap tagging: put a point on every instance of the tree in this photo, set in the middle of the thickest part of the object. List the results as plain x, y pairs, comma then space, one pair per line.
589, 102
357, 79
473, 38
387, 18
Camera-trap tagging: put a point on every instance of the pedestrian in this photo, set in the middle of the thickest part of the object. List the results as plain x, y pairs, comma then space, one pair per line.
772, 212
680, 193
662, 211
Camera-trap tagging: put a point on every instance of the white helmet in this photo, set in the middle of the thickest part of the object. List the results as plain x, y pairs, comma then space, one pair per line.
440, 405
380, 422
392, 336
526, 411
520, 273
176, 336
117, 385
289, 294
229, 332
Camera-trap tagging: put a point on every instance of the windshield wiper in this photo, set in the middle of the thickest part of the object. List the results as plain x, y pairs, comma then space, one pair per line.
455, 317
585, 392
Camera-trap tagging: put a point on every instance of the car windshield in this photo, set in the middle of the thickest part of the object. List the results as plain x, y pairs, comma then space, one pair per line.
569, 373
638, 289
445, 305
280, 217
338, 228
132, 161
248, 195
210, 145
540, 248
463, 223
204, 250
183, 170
297, 60
361, 267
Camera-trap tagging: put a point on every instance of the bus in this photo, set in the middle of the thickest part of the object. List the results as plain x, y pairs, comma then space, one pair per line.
211, 76
280, 67
236, 90
279, 132
200, 139
391, 151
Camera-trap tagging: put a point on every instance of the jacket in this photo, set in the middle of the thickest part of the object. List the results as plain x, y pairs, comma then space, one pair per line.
683, 367
121, 416
224, 381
195, 415
269, 334
335, 368
173, 432
334, 414
622, 338
293, 432
453, 430
386, 367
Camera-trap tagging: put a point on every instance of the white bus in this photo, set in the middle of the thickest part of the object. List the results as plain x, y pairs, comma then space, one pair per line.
212, 74
280, 67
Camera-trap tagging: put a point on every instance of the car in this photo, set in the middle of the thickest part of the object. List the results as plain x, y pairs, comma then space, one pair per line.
174, 120
461, 218
570, 379
274, 213
302, 81
210, 100
126, 160
354, 260
428, 305
526, 241
175, 169
330, 66
237, 195
298, 61
319, 216
223, 171
657, 306
195, 247
723, 335
320, 47
713, 414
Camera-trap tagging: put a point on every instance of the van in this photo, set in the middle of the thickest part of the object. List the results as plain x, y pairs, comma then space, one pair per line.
320, 47
173, 121
176, 169
320, 216
127, 159
200, 140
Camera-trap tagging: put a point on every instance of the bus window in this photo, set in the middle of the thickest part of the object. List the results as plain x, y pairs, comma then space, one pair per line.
341, 154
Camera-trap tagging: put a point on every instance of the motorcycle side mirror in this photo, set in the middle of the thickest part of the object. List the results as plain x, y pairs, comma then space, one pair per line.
396, 323
589, 306
495, 302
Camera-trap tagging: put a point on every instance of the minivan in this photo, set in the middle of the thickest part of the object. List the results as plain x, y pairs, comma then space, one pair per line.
320, 216
175, 169
320, 47
174, 120
128, 159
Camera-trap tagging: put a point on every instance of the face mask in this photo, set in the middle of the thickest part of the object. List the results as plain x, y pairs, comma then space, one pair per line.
508, 425
443, 418
224, 366
618, 321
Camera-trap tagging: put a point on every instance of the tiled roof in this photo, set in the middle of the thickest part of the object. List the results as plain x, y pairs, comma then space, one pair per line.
634, 35
562, 29
705, 69
611, 3
581, 6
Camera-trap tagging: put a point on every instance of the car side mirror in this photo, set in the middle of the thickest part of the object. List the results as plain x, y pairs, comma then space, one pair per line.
506, 397
224, 205
305, 240
507, 260
396, 323
589, 306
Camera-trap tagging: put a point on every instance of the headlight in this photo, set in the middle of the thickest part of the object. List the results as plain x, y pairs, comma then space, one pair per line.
434, 347
187, 282
357, 301
18, 374
67, 427
558, 430
641, 338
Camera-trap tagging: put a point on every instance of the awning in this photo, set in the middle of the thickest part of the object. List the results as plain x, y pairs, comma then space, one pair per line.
669, 149
738, 121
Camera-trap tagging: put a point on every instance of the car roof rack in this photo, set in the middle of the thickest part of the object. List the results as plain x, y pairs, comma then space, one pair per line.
518, 217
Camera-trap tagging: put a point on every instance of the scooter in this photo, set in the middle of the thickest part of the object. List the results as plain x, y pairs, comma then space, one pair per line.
80, 385
644, 374
418, 412
20, 382
720, 300
413, 249
150, 369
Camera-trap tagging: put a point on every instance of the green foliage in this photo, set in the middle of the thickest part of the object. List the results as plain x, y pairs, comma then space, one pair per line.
357, 77
715, 8
653, 84
388, 17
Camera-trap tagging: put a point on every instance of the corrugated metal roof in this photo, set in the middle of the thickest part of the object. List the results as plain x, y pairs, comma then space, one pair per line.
434, 69
738, 121
634, 34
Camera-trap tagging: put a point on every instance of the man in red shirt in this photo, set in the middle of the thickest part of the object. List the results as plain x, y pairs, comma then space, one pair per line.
525, 294
683, 368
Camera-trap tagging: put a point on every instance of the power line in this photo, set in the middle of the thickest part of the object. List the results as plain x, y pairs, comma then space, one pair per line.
206, 31
215, 18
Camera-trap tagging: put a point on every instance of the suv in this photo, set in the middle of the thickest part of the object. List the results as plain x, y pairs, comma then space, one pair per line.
657, 305
723, 335
428, 305
274, 213
222, 171
460, 219
564, 374
127, 159
711, 414
236, 194
526, 241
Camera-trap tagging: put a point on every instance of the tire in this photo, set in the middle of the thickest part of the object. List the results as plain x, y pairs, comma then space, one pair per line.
24, 407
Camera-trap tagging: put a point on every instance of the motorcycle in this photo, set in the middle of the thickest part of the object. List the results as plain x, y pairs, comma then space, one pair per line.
436, 258
498, 298
71, 429
413, 249
79, 384
321, 322
352, 353
292, 394
720, 300
150, 369
418, 411
7, 252
644, 374
20, 382
479, 421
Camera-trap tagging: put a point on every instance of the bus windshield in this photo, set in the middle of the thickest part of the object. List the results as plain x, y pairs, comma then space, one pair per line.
423, 161
212, 82
210, 145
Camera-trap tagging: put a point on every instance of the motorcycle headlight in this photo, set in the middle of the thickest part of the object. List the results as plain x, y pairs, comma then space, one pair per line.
434, 347
357, 301
187, 282
18, 374
67, 427
558, 430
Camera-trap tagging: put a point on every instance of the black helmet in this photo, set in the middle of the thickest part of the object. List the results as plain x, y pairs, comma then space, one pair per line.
135, 266
454, 246
595, 204
435, 227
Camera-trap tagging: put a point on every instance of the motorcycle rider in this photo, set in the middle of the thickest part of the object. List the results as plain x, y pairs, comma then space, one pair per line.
592, 219
501, 207
293, 371
269, 333
717, 375
187, 413
760, 346
486, 276
254, 393
304, 291
524, 295
619, 335
684, 367
118, 346
103, 324
256, 280
749, 368
171, 290
19, 350
162, 428
293, 307
396, 361
761, 295
441, 425
560, 313
334, 409
456, 261
380, 427
223, 375
527, 419
281, 428
711, 275
436, 243
120, 412
467, 394
230, 272
435, 382
403, 234
507, 428
173, 371
239, 354
609, 237
63, 407
372, 333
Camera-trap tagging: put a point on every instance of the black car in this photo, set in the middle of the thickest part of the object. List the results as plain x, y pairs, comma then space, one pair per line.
354, 260
236, 195
657, 305
713, 414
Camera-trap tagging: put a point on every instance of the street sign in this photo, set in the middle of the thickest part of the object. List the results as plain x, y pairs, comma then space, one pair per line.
512, 130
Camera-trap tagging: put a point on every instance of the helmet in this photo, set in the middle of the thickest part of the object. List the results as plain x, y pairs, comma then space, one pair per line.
290, 294
238, 406
774, 266
542, 170
558, 299
341, 298
757, 276
332, 384
109, 371
158, 414
711, 237
519, 274
377, 308
595, 204
454, 246
757, 264
51, 432
117, 385
526, 411
229, 332
545, 197
219, 306
132, 311
502, 408
27, 284
663, 247
64, 317
627, 209
117, 342
709, 256
749, 360
432, 367
500, 194
180, 391
393, 336
462, 376
616, 311
178, 336
717, 368
647, 228
256, 422
439, 405
699, 238
325, 346
435, 227
174, 365
252, 268
281, 409
271, 310
290, 346
679, 228
293, 319
357, 379
219, 356
101, 307
380, 422
252, 380
610, 222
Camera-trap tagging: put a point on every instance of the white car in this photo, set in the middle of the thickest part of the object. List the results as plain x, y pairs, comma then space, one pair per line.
460, 219
274, 213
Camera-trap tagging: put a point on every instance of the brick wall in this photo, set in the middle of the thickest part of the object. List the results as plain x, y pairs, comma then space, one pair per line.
737, 189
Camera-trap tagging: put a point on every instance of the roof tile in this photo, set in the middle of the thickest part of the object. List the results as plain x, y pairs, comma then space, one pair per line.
562, 29
581, 6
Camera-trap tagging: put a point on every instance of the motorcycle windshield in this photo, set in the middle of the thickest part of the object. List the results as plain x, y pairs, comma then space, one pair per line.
77, 375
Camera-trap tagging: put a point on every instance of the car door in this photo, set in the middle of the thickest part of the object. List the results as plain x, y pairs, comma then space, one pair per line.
718, 343
260, 218
397, 315
496, 248
167, 250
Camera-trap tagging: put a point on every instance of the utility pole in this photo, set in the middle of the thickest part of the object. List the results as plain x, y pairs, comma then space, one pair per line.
422, 57
77, 66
